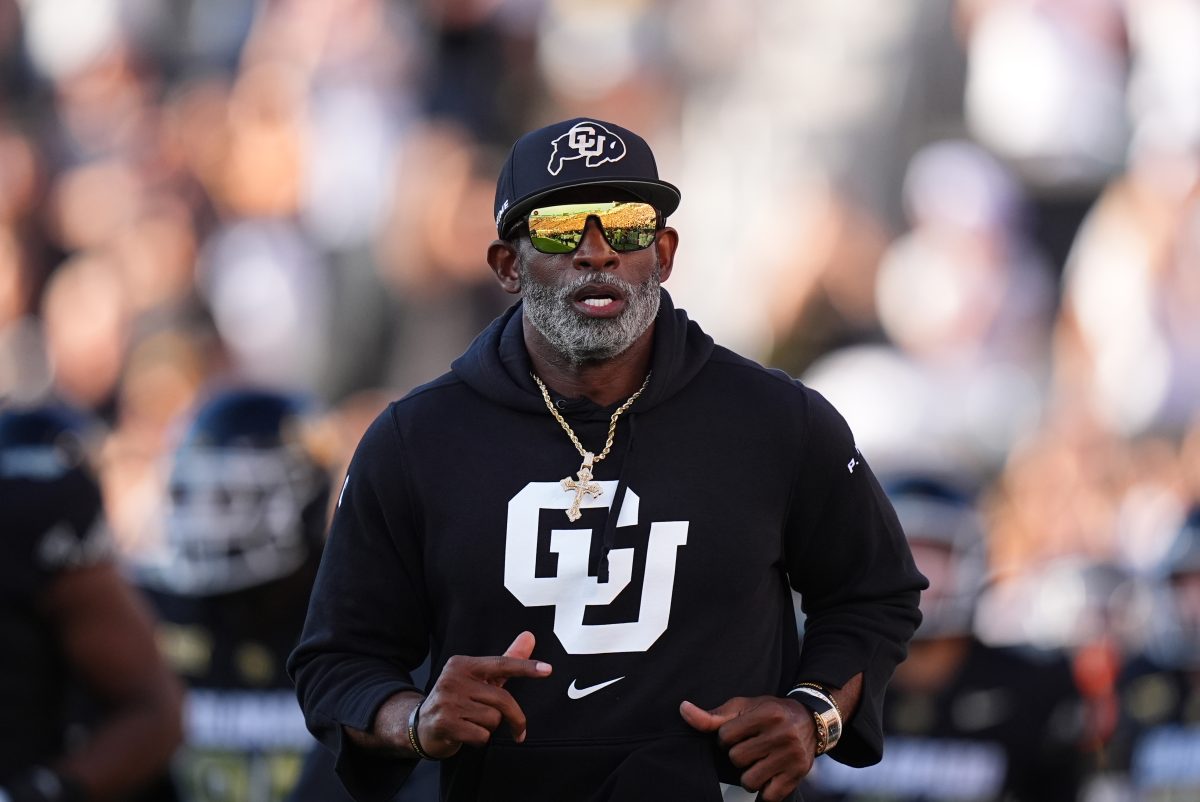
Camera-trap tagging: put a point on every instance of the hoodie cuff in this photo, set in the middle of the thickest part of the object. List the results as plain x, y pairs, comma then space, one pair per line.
367, 776
861, 743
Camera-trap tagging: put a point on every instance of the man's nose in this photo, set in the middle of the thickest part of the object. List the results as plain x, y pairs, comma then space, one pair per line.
594, 252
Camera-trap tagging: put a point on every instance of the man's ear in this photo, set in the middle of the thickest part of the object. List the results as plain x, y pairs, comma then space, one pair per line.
665, 244
502, 258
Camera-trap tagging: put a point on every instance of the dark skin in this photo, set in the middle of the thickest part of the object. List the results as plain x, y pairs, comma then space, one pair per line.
772, 739
606, 382
107, 635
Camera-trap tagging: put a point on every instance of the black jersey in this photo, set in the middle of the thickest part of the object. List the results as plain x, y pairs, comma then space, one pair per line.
727, 486
245, 737
1006, 727
1154, 756
50, 524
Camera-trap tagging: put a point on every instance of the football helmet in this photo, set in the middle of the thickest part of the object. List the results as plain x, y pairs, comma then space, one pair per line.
246, 501
46, 441
945, 534
48, 486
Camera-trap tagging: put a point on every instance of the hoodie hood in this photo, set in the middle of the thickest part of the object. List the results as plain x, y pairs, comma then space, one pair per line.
497, 365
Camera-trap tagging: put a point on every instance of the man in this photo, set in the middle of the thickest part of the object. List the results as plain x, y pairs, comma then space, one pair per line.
243, 526
244, 518
628, 621
70, 624
963, 720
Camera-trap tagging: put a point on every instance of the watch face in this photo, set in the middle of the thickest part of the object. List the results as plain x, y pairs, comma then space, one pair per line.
825, 713
822, 733
833, 728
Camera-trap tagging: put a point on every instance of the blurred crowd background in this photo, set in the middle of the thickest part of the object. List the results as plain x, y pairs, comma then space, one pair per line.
973, 225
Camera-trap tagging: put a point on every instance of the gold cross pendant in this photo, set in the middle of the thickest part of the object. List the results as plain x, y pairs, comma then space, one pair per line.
581, 486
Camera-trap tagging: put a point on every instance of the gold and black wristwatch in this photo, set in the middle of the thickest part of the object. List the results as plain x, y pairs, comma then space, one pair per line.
825, 713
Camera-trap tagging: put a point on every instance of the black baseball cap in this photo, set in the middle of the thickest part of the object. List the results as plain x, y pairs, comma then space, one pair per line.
575, 153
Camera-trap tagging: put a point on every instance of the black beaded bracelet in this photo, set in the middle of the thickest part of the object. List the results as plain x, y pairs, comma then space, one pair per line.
413, 740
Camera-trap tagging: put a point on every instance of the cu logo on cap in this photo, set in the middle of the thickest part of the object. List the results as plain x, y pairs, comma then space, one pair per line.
590, 141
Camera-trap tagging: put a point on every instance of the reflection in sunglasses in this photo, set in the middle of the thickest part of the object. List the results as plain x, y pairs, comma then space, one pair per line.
559, 229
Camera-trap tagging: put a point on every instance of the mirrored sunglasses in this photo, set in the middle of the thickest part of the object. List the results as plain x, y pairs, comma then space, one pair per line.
559, 229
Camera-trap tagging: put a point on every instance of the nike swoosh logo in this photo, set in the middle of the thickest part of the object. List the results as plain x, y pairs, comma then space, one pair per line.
579, 693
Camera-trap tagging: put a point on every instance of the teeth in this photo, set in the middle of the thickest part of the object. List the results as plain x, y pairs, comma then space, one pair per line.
597, 301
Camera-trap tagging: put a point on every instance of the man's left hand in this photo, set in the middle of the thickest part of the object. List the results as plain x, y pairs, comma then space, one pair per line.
772, 740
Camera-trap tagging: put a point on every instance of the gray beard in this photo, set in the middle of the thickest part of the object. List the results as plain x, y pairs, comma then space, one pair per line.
581, 339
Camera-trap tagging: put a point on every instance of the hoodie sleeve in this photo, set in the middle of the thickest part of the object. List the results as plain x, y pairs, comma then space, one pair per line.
848, 558
367, 623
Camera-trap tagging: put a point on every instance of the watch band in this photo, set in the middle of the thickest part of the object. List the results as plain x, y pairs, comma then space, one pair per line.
826, 716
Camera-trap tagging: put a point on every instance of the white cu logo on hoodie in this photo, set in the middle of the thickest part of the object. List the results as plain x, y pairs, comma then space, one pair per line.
573, 590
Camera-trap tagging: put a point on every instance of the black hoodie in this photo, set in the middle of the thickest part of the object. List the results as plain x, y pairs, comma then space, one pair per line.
726, 483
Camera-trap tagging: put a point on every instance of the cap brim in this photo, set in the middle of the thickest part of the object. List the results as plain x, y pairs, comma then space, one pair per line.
659, 194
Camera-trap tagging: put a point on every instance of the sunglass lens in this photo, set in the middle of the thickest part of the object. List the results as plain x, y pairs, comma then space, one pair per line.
559, 229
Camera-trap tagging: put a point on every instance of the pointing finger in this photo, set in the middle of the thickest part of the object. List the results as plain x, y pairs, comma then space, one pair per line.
521, 649
502, 668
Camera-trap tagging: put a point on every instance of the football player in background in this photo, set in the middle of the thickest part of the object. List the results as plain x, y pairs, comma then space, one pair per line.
963, 720
244, 515
71, 626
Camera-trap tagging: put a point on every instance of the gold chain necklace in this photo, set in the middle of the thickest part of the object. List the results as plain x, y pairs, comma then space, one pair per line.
583, 485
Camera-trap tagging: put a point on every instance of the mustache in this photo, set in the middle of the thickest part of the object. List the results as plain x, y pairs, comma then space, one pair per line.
595, 278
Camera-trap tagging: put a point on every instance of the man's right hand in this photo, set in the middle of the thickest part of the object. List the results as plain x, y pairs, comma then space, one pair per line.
468, 701
466, 705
